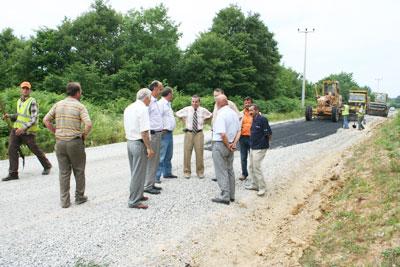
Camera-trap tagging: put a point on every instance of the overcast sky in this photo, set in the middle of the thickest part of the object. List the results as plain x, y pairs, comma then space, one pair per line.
359, 36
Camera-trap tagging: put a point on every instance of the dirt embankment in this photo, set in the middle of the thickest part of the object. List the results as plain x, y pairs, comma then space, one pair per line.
277, 232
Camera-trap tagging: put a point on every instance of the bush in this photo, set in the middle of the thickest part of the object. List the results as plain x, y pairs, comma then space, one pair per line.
107, 123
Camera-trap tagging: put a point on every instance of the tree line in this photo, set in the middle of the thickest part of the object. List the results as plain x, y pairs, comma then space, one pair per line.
113, 55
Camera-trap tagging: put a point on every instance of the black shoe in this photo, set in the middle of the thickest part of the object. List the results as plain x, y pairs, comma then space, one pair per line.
157, 188
171, 176
46, 171
232, 200
218, 200
214, 179
81, 200
10, 177
152, 191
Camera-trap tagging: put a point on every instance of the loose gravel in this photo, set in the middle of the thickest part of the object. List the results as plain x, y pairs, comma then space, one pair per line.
35, 231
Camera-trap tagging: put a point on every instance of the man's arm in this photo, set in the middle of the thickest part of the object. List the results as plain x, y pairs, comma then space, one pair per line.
267, 129
146, 140
47, 120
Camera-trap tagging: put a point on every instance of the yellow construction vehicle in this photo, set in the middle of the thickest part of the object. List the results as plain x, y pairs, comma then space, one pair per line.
357, 98
329, 102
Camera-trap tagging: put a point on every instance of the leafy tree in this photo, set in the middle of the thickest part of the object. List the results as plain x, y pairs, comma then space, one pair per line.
211, 61
11, 53
346, 82
151, 41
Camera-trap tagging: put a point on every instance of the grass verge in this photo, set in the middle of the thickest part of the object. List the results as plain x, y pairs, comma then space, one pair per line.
362, 228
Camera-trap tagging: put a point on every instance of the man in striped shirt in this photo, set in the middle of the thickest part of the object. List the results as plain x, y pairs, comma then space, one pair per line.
69, 114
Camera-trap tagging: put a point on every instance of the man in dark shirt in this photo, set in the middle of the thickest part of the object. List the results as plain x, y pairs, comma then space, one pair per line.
260, 136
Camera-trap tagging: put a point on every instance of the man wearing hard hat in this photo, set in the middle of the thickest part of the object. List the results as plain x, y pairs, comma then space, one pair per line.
24, 132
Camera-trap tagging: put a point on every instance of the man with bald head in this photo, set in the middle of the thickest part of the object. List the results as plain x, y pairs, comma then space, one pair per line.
226, 134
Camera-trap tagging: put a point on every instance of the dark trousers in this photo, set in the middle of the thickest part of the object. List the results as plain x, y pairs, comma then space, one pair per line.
244, 143
15, 144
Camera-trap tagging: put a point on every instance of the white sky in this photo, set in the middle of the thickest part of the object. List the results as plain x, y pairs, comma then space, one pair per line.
358, 36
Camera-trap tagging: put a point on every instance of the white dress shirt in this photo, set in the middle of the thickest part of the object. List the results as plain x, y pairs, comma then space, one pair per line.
156, 122
187, 114
167, 114
136, 120
227, 122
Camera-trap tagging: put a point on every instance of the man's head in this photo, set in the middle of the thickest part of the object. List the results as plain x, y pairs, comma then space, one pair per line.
156, 87
253, 110
25, 89
221, 101
247, 102
144, 95
217, 92
167, 93
195, 102
74, 90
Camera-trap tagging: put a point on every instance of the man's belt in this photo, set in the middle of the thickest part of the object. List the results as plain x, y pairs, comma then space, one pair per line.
154, 132
191, 131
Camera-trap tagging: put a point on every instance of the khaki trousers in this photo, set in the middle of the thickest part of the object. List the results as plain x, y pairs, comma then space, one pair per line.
195, 141
71, 156
256, 174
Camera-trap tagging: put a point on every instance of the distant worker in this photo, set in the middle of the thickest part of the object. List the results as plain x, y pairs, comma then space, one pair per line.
260, 137
244, 140
345, 113
167, 141
156, 130
194, 117
137, 132
226, 134
24, 131
69, 114
360, 117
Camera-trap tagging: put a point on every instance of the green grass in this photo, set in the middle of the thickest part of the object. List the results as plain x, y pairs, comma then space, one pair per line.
83, 263
365, 220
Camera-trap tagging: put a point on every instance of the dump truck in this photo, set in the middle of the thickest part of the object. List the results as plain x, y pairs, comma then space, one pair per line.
357, 98
329, 102
380, 106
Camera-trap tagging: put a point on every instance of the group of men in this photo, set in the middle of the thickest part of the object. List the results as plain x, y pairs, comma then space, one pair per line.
149, 123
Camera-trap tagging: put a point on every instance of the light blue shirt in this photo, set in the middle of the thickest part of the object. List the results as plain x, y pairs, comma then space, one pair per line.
227, 122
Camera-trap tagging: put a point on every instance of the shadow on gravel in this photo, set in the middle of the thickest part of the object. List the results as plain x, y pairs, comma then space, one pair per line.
298, 132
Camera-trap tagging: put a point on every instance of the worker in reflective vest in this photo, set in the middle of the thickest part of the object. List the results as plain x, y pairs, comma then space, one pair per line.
360, 117
24, 132
345, 113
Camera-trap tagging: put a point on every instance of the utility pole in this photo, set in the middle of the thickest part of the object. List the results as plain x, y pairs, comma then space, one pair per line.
379, 81
303, 90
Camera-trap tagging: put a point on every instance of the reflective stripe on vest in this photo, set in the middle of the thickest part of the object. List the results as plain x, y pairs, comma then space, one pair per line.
24, 115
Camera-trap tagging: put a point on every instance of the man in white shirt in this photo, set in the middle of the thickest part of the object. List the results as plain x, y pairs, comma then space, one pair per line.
156, 129
226, 134
167, 141
137, 126
193, 116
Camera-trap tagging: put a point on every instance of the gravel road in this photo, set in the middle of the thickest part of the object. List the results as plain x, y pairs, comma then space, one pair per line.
35, 231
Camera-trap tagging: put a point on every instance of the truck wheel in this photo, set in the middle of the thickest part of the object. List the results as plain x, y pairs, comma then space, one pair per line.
335, 114
308, 113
